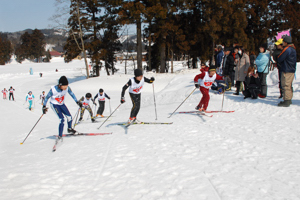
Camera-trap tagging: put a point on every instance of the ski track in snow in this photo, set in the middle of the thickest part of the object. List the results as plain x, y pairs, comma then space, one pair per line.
250, 154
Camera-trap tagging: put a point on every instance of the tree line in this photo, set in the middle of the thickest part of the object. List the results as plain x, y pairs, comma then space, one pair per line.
171, 28
176, 28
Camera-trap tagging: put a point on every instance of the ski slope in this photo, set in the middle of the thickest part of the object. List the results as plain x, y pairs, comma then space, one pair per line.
251, 154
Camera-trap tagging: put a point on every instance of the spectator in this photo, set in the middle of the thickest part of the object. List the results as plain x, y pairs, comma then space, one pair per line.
276, 52
263, 62
252, 58
287, 60
228, 66
242, 66
252, 84
219, 57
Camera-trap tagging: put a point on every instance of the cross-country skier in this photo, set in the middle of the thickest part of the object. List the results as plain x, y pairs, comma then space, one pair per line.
204, 68
11, 93
135, 85
204, 81
101, 95
42, 97
85, 101
4, 91
57, 94
30, 98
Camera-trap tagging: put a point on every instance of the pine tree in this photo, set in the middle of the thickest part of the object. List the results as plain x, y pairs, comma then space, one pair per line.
77, 31
5, 50
37, 47
23, 49
133, 12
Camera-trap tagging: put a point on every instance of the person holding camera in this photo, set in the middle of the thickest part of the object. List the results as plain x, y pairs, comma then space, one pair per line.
252, 84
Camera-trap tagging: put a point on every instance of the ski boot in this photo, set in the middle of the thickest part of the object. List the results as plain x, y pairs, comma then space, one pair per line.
80, 119
93, 120
131, 120
137, 121
72, 131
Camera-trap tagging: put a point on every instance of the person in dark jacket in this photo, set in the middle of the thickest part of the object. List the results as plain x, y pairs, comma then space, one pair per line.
252, 84
276, 52
252, 58
228, 66
219, 56
288, 61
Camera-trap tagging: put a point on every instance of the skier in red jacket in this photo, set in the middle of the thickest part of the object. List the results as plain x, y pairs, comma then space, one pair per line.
204, 81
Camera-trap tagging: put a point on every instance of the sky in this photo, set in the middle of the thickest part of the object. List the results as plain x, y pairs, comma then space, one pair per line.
18, 15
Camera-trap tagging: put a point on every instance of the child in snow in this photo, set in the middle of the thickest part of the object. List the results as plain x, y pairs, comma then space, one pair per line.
11, 93
4, 91
42, 97
57, 94
135, 85
204, 81
30, 98
85, 101
252, 84
101, 95
204, 68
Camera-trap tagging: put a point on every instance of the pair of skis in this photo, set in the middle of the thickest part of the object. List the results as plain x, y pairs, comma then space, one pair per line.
141, 123
59, 141
205, 113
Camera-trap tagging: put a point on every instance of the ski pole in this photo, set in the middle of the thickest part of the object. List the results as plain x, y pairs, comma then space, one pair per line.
76, 116
183, 102
95, 109
223, 95
32, 129
109, 116
109, 106
154, 102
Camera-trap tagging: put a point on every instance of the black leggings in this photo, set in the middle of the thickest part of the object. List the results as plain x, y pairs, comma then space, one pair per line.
11, 95
136, 102
101, 107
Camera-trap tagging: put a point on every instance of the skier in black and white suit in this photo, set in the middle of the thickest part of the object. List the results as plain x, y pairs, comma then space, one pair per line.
135, 85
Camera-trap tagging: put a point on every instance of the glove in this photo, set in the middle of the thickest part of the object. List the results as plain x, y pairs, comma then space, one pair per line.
197, 85
79, 104
123, 100
44, 109
152, 79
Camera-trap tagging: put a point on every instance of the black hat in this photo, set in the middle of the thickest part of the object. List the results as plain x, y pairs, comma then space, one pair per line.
228, 49
138, 72
288, 39
88, 95
212, 68
101, 90
63, 81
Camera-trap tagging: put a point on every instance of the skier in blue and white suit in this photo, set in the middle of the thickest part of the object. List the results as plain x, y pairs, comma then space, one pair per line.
57, 96
30, 98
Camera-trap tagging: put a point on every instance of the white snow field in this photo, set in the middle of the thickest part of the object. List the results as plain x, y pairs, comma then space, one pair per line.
251, 154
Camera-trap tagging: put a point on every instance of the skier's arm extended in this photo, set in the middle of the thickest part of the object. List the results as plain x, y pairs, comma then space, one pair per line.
125, 88
50, 93
72, 94
149, 80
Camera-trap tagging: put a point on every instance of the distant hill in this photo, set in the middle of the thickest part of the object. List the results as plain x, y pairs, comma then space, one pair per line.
58, 37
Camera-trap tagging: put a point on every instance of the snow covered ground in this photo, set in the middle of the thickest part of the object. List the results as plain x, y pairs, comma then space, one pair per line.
251, 154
